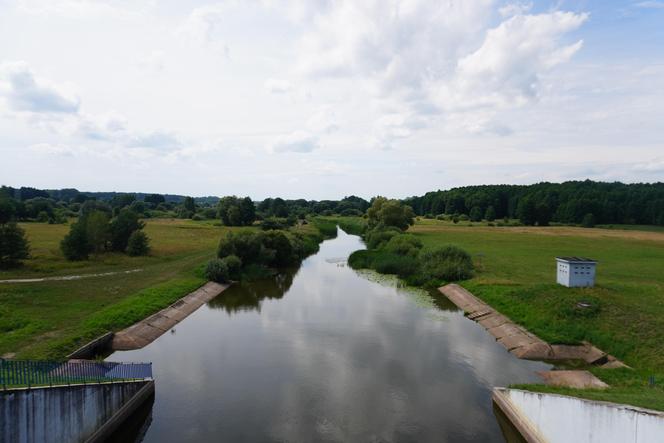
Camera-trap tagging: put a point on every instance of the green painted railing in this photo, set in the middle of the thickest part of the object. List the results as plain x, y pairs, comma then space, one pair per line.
29, 373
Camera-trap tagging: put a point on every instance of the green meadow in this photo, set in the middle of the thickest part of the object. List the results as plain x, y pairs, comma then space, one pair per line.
516, 274
52, 318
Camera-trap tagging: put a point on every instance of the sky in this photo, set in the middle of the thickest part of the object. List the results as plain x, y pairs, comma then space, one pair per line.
321, 99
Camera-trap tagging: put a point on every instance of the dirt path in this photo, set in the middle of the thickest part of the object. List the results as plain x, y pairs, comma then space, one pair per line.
67, 277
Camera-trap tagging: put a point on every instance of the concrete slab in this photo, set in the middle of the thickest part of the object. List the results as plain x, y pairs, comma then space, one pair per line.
516, 341
149, 329
493, 320
506, 330
572, 379
535, 351
161, 321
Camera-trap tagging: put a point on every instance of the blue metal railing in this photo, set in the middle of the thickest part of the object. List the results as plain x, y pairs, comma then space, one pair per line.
19, 373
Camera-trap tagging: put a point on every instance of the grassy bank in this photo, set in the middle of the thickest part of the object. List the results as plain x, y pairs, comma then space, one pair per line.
515, 273
50, 319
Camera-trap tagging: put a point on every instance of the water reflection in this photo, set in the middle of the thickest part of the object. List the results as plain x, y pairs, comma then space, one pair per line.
244, 297
327, 354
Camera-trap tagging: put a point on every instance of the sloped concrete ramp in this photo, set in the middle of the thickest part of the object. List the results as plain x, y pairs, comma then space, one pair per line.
148, 330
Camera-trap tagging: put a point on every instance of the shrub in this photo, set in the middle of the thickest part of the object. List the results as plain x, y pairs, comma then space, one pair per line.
278, 242
401, 265
272, 223
246, 245
139, 244
233, 265
326, 227
75, 245
404, 244
13, 245
361, 259
197, 217
448, 263
122, 227
217, 271
377, 238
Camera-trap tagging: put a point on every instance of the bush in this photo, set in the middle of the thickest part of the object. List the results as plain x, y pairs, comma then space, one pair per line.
273, 223
401, 265
13, 245
326, 227
122, 227
75, 245
139, 244
361, 259
233, 265
377, 238
404, 244
217, 271
197, 217
448, 263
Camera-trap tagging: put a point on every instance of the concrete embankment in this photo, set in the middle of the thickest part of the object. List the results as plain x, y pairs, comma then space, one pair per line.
556, 418
76, 413
149, 329
518, 340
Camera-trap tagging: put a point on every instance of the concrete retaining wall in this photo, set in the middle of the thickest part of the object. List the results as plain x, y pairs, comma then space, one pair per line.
559, 418
68, 413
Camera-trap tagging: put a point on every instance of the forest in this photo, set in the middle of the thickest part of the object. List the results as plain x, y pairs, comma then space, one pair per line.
572, 202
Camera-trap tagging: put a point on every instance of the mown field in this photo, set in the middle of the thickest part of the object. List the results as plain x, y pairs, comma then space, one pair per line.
516, 275
50, 319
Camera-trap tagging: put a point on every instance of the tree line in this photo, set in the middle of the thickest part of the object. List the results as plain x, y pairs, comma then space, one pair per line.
572, 202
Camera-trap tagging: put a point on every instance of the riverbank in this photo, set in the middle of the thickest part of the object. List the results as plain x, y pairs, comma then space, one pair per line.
149, 329
49, 319
516, 275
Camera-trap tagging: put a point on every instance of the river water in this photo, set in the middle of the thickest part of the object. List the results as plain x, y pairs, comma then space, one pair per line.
328, 354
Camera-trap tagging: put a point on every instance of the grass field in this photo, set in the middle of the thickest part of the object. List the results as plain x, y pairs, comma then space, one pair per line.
50, 319
516, 275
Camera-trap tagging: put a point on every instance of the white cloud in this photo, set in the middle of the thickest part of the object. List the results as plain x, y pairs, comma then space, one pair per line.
51, 149
277, 86
323, 121
80, 9
106, 127
204, 25
511, 9
26, 93
159, 140
505, 70
650, 4
655, 165
298, 141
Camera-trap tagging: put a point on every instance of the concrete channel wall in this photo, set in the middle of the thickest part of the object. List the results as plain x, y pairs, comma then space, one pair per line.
77, 413
557, 418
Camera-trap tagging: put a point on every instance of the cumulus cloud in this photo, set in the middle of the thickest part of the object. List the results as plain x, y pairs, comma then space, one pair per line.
26, 93
426, 58
277, 86
515, 9
505, 70
298, 141
204, 25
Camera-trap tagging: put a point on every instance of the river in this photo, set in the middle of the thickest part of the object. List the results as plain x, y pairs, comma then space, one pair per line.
325, 353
